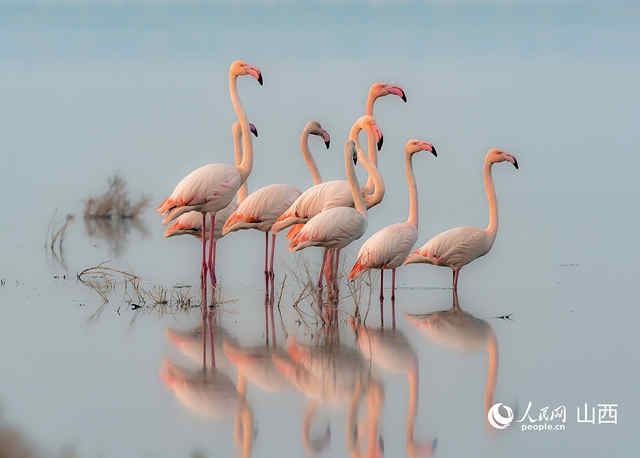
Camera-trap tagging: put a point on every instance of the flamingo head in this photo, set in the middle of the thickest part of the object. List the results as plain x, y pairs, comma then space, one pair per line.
496, 155
368, 123
239, 68
382, 89
182, 226
413, 146
314, 128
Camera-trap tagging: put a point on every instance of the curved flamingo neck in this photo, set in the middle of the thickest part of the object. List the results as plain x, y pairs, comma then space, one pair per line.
236, 131
371, 144
308, 157
247, 148
372, 171
492, 228
413, 190
353, 180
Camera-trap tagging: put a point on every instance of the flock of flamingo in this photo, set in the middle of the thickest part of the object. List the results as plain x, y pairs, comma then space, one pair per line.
329, 214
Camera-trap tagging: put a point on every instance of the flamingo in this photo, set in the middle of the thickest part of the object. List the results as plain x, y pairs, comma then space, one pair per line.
459, 246
339, 226
389, 247
262, 207
191, 222
334, 194
210, 188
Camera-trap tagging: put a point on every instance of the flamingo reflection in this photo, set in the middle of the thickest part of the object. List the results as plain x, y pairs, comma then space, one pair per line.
391, 352
459, 330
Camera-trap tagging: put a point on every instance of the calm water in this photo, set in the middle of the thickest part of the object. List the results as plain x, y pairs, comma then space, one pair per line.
90, 90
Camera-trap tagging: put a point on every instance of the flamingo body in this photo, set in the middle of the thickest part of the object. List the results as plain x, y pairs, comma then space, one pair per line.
333, 228
261, 208
454, 248
191, 223
386, 249
207, 189
313, 201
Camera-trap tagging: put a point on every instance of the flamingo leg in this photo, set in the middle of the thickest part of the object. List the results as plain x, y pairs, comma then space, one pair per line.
393, 298
212, 250
204, 343
266, 318
266, 264
455, 280
324, 262
203, 271
272, 275
335, 272
381, 298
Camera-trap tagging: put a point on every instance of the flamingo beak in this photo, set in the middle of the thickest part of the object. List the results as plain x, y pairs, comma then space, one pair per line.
355, 157
397, 90
253, 129
380, 138
511, 158
433, 151
255, 72
326, 138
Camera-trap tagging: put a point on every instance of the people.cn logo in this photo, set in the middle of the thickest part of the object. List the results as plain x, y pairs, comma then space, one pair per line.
496, 419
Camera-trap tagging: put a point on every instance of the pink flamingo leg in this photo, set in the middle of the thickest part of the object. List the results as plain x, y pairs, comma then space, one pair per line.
393, 298
203, 271
455, 280
266, 318
324, 262
266, 264
212, 264
272, 275
381, 298
204, 343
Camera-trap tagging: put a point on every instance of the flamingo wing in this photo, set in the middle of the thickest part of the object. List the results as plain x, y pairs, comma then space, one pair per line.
209, 188
314, 200
453, 248
333, 228
386, 249
261, 208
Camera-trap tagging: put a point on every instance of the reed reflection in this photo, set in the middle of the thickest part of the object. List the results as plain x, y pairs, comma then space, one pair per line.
456, 329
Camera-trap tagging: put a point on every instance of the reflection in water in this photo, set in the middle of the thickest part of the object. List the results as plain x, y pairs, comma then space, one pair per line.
333, 375
114, 231
457, 329
391, 351
208, 392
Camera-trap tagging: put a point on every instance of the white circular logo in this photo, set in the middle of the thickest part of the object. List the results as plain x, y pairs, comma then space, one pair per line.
496, 419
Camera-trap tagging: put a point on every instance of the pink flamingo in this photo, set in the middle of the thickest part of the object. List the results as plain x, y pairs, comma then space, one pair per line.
333, 194
262, 207
191, 222
211, 187
389, 247
459, 246
339, 226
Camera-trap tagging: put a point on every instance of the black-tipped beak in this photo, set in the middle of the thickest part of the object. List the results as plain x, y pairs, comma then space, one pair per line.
515, 163
260, 79
253, 130
355, 158
380, 143
433, 151
404, 97
327, 143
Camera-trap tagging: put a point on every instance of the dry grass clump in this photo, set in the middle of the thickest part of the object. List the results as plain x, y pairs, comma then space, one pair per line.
114, 203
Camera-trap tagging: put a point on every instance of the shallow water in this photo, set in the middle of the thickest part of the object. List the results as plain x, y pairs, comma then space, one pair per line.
87, 92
